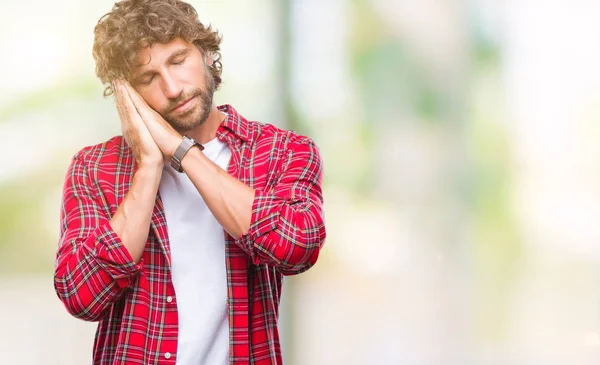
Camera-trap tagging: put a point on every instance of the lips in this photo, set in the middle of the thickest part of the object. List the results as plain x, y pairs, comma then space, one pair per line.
183, 105
180, 106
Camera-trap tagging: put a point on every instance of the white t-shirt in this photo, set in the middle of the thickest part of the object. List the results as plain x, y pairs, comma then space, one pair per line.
198, 269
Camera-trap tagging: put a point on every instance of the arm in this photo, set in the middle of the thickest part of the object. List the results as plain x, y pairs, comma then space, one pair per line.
93, 266
98, 258
229, 200
131, 221
282, 227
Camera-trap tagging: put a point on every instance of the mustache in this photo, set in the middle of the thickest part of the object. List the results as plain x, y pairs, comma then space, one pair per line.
181, 98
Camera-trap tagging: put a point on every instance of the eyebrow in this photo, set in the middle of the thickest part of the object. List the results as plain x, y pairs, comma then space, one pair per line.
174, 55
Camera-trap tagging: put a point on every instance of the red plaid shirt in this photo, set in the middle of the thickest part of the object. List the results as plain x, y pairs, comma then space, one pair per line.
135, 304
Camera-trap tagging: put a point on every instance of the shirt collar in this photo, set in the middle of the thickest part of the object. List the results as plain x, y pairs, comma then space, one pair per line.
234, 123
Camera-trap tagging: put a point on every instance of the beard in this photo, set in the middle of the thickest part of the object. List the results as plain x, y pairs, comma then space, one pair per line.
196, 116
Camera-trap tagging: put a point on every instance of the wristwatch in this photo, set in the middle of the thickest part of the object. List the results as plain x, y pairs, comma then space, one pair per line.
181, 150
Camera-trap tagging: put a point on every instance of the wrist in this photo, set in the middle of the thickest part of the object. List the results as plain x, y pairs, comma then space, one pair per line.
174, 143
150, 166
193, 154
185, 145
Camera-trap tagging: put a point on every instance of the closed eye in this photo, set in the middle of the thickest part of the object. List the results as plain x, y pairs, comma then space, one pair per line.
147, 81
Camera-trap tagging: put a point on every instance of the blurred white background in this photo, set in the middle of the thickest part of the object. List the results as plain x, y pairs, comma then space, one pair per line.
462, 171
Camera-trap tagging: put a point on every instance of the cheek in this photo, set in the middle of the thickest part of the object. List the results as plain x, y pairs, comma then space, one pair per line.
194, 76
152, 98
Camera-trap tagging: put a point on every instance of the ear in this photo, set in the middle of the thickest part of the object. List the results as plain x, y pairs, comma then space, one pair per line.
209, 60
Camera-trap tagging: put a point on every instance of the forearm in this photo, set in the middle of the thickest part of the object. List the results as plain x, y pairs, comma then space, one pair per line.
228, 199
131, 222
89, 279
286, 233
92, 264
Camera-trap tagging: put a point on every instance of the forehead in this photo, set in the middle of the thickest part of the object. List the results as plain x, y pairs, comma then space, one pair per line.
158, 53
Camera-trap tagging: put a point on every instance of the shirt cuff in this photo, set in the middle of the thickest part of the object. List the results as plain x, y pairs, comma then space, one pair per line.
112, 256
266, 209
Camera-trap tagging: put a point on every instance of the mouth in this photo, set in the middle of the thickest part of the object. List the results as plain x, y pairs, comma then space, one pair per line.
184, 105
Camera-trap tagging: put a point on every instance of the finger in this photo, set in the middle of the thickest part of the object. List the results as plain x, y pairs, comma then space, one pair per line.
125, 102
133, 94
118, 93
129, 131
129, 108
121, 97
139, 129
139, 103
119, 104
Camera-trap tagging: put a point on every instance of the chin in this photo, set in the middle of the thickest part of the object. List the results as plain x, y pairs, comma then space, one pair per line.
187, 124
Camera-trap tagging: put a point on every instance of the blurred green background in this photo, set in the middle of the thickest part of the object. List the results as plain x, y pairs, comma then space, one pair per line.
462, 171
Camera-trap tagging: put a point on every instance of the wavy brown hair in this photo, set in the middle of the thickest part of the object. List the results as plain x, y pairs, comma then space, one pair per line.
135, 24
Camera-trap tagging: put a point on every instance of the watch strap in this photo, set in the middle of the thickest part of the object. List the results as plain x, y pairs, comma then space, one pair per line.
186, 144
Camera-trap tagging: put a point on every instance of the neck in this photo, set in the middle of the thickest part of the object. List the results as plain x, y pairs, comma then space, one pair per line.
207, 131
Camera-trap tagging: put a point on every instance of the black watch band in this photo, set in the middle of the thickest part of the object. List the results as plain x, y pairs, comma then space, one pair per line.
182, 149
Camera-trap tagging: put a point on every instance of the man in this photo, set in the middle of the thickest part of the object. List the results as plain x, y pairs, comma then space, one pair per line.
176, 237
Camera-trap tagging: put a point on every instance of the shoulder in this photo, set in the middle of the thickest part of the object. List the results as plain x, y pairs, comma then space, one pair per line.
288, 150
268, 143
112, 150
287, 139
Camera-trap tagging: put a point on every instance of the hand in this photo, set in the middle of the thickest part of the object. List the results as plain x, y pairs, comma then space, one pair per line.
135, 132
166, 137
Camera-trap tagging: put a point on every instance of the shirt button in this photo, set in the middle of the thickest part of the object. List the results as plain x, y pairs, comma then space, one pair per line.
169, 299
167, 355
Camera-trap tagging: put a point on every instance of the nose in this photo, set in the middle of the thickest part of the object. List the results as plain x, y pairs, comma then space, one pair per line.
171, 87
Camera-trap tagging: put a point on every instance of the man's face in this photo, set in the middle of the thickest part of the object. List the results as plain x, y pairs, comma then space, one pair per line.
175, 81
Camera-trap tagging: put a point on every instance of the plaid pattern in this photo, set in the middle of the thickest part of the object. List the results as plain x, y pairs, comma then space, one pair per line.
135, 304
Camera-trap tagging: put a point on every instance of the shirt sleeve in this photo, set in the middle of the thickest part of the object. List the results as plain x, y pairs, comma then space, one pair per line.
287, 228
92, 264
